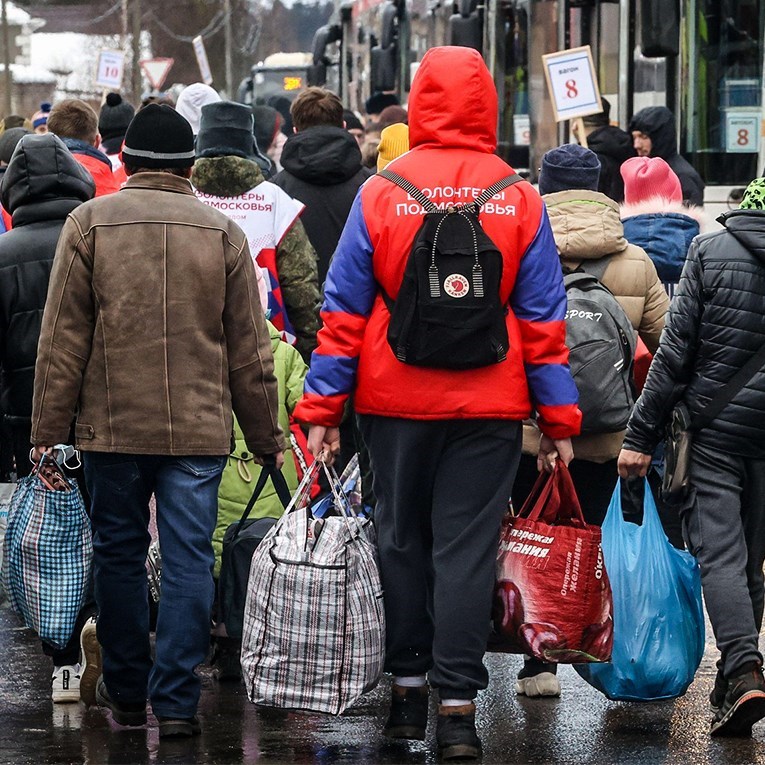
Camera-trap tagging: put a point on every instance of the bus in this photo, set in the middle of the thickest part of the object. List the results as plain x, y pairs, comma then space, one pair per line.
701, 58
280, 75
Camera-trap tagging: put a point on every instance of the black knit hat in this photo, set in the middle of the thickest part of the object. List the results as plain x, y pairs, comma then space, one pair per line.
378, 101
352, 122
568, 167
115, 116
158, 137
9, 140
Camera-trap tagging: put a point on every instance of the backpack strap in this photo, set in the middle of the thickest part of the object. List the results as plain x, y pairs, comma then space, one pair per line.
596, 268
495, 188
417, 194
728, 392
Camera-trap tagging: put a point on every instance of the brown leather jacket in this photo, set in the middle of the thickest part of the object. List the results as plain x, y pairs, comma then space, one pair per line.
153, 329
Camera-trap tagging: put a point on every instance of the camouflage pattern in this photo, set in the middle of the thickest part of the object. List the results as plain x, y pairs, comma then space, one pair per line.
295, 257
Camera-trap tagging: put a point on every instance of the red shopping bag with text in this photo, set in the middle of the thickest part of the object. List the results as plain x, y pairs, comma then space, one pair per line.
552, 598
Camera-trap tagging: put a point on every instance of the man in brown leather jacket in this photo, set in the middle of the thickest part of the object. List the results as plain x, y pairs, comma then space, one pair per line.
152, 332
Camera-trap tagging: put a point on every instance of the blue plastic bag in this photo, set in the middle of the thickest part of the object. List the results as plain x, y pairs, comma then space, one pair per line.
47, 558
658, 615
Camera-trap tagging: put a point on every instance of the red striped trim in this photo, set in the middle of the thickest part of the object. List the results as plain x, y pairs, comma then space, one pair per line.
563, 421
544, 342
320, 410
342, 334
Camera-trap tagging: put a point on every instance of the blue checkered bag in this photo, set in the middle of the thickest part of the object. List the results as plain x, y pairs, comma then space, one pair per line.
48, 553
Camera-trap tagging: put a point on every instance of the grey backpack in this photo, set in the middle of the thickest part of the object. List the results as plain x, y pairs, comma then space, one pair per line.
601, 344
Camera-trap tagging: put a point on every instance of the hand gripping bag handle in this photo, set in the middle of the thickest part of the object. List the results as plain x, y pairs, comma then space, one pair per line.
614, 524
553, 499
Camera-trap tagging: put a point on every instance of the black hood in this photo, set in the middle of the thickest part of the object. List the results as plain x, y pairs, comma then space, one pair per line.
322, 155
748, 226
658, 123
42, 172
611, 141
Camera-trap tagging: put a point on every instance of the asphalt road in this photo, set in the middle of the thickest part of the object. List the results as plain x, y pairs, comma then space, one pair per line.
581, 727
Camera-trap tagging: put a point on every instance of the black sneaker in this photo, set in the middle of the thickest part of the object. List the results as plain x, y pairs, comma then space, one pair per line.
170, 727
717, 696
744, 705
408, 716
456, 735
225, 660
124, 714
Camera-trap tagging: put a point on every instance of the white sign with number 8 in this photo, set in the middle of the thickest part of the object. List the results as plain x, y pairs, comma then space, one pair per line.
742, 132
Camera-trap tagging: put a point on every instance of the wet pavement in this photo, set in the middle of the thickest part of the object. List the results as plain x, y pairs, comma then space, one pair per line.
581, 727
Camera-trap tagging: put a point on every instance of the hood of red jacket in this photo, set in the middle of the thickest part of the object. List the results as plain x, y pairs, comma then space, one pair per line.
453, 101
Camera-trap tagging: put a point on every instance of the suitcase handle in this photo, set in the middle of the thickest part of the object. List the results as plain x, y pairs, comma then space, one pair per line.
269, 469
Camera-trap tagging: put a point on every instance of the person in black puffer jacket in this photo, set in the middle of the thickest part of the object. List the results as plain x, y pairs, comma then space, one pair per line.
654, 134
42, 185
322, 169
716, 324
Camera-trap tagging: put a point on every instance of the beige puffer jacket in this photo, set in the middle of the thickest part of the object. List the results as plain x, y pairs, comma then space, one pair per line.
587, 226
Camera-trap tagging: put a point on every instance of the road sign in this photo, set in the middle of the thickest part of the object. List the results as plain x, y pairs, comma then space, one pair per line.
572, 83
203, 63
156, 70
111, 64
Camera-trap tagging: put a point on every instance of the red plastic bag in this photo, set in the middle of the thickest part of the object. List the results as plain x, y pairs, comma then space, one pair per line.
641, 365
552, 598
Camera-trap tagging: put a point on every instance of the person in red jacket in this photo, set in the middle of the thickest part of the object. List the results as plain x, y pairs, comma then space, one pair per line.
444, 444
76, 124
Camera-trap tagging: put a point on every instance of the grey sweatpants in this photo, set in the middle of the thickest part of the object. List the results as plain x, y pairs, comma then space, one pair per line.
442, 488
724, 525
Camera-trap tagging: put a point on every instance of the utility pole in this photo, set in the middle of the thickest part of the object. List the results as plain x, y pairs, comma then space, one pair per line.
6, 58
228, 47
135, 82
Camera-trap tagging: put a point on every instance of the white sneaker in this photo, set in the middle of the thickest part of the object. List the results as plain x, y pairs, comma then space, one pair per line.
90, 671
65, 686
543, 684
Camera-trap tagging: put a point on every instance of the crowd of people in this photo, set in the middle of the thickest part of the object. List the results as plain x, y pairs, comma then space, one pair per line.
186, 290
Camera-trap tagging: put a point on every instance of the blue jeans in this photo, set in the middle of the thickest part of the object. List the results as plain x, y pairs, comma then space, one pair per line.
186, 489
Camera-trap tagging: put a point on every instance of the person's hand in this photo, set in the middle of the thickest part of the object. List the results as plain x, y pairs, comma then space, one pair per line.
38, 451
633, 464
276, 459
551, 450
324, 443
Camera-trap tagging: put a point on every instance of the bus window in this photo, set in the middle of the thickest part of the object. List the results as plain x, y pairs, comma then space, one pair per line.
722, 76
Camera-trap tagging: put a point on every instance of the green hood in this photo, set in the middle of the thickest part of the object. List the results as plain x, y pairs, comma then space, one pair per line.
226, 176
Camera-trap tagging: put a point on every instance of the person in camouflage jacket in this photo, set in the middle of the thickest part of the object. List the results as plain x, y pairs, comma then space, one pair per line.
227, 177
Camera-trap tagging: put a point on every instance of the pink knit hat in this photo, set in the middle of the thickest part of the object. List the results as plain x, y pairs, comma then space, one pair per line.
649, 177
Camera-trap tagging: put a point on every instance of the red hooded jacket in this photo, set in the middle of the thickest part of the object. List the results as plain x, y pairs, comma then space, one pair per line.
452, 131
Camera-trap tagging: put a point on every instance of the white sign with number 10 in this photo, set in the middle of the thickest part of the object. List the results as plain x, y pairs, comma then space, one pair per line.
111, 64
573, 86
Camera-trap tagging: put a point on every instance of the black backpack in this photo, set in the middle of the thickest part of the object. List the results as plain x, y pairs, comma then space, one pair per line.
601, 343
448, 313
